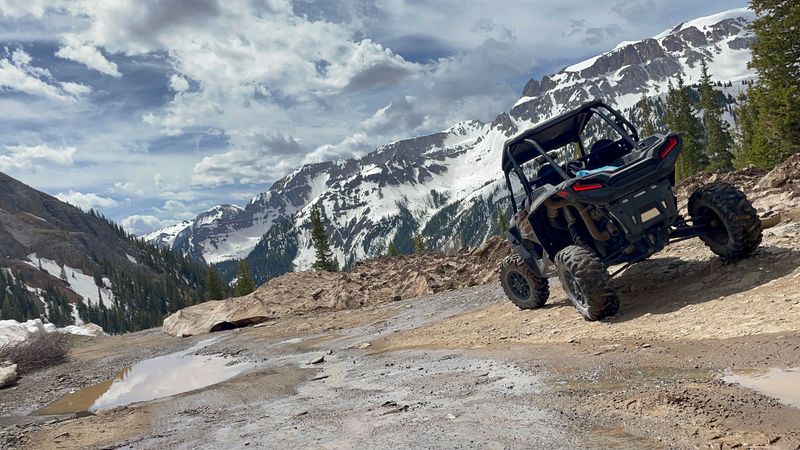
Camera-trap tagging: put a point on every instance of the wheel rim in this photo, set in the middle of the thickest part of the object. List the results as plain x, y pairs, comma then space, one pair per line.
574, 292
717, 231
519, 285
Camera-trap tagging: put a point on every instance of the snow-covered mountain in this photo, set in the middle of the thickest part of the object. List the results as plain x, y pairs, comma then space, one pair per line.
448, 184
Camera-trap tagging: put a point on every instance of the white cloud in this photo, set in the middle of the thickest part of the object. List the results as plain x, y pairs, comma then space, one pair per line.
86, 201
17, 74
15, 77
294, 82
178, 83
140, 224
126, 188
29, 157
352, 146
72, 48
20, 8
75, 89
255, 156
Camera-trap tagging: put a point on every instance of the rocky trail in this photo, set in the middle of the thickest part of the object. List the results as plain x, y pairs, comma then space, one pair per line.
701, 355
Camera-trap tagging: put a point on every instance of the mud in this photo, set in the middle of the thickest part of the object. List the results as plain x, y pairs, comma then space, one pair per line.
464, 368
150, 379
779, 383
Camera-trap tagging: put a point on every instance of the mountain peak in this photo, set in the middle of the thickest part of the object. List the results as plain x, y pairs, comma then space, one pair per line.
448, 185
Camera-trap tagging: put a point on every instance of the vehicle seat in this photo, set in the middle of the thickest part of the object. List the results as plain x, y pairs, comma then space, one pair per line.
547, 175
605, 152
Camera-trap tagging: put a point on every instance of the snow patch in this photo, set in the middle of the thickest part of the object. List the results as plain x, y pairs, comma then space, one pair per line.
77, 282
14, 333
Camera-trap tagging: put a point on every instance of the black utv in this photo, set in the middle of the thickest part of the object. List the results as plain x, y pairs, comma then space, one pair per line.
582, 204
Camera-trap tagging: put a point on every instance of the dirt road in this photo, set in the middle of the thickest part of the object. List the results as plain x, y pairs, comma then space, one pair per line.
466, 369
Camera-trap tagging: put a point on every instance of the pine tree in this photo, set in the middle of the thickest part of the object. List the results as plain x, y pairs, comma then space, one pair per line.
244, 282
648, 126
63, 274
746, 121
718, 136
681, 119
319, 238
214, 288
502, 224
770, 132
419, 243
392, 251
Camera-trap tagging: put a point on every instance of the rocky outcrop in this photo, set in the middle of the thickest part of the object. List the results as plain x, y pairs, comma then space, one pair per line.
8, 375
379, 280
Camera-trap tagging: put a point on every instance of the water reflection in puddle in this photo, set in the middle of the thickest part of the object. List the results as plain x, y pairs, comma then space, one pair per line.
782, 384
150, 379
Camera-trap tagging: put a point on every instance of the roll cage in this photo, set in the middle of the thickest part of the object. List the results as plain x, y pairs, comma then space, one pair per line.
538, 142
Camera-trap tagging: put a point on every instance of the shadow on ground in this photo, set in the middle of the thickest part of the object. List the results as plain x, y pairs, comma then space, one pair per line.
667, 284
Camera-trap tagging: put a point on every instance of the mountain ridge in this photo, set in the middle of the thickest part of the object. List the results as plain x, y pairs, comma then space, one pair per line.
430, 183
68, 266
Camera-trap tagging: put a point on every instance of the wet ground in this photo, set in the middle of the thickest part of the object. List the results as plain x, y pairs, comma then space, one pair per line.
709, 367
778, 383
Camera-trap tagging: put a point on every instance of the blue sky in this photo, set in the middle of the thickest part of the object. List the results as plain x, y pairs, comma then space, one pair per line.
153, 111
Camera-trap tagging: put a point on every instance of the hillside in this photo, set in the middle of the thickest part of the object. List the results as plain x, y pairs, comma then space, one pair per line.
69, 266
447, 185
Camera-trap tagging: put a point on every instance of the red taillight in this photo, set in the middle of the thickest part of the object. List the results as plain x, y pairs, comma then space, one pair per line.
578, 187
668, 147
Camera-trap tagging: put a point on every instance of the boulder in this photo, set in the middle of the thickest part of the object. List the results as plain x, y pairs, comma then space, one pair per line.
217, 315
8, 375
87, 329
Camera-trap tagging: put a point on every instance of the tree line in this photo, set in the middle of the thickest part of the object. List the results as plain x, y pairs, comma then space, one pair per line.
767, 117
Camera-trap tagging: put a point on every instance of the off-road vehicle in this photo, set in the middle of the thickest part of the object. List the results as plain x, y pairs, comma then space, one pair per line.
582, 206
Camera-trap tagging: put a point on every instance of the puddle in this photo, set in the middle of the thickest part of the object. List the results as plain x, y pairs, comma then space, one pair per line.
150, 379
782, 384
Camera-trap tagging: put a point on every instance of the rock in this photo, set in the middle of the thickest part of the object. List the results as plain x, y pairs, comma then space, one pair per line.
8, 375
87, 329
776, 178
318, 360
82, 414
364, 345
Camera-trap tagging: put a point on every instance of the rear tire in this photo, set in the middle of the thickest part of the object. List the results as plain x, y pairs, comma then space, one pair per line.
735, 228
521, 285
586, 282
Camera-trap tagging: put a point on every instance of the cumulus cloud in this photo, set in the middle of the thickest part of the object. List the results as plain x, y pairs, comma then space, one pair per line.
178, 83
31, 157
72, 48
254, 156
126, 188
352, 146
20, 8
400, 114
75, 89
86, 201
140, 224
18, 74
295, 82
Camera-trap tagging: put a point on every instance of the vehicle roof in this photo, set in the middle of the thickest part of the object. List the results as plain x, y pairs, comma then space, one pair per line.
551, 134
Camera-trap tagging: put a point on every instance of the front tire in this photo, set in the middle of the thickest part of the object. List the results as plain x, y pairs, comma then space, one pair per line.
521, 285
734, 228
586, 282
